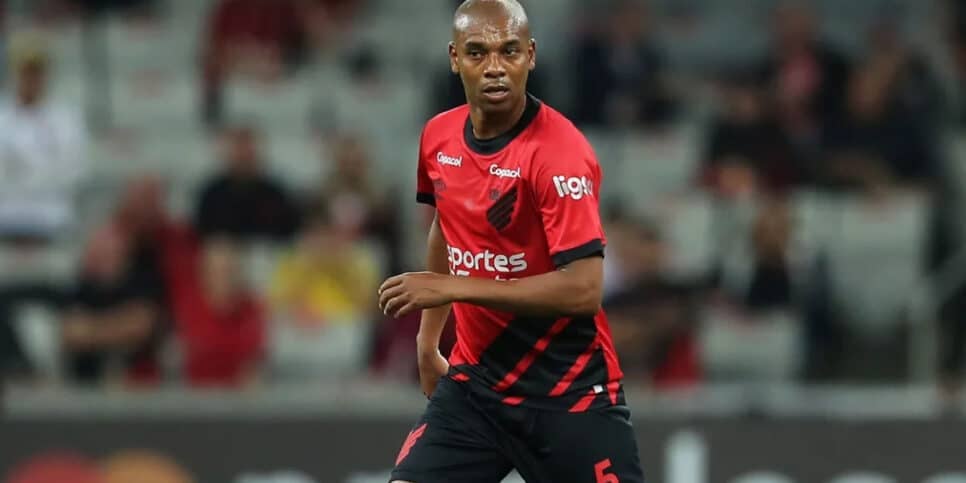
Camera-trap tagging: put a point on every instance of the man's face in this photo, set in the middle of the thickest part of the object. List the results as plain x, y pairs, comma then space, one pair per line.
629, 23
494, 57
795, 27
242, 151
351, 159
221, 271
32, 81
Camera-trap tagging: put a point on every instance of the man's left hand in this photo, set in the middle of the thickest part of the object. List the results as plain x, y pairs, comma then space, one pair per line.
404, 294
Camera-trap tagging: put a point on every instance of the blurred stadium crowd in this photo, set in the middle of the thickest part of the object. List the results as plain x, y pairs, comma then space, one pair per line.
208, 193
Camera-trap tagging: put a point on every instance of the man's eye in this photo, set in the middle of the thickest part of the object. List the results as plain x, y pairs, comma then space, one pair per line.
475, 54
512, 51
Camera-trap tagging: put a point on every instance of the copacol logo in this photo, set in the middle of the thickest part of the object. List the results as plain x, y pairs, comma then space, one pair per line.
449, 160
499, 172
574, 187
460, 261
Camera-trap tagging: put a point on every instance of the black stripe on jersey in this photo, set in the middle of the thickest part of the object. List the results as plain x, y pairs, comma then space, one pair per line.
499, 214
560, 355
479, 383
512, 345
504, 203
592, 248
426, 198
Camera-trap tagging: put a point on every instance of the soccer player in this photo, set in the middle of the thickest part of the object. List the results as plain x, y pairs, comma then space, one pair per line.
515, 250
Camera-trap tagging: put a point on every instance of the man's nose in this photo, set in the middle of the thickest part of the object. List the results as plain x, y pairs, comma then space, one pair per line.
494, 68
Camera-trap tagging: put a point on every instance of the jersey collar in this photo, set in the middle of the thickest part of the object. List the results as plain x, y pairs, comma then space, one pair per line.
493, 145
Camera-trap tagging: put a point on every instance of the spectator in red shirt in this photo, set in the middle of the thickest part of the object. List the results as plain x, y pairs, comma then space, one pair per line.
220, 323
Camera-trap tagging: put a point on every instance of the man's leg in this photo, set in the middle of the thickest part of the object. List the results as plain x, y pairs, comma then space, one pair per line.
596, 446
452, 442
13, 360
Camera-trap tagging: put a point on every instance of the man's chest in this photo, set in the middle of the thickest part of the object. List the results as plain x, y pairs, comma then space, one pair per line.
481, 191
484, 201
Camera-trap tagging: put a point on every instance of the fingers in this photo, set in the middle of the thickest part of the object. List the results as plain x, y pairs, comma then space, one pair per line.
388, 295
390, 283
394, 304
399, 305
397, 295
394, 300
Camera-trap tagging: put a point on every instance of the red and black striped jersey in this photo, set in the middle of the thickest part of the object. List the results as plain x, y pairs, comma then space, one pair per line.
522, 204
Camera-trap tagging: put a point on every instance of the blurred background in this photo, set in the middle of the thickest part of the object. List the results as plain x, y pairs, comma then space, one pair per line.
199, 198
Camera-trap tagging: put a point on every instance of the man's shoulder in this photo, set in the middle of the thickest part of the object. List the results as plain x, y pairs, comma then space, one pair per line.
557, 136
557, 129
446, 121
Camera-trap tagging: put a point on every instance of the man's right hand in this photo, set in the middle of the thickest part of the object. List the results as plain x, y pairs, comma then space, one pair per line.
432, 366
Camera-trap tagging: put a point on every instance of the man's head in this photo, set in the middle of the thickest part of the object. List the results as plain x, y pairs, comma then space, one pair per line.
629, 21
351, 160
30, 61
493, 53
241, 151
795, 26
141, 206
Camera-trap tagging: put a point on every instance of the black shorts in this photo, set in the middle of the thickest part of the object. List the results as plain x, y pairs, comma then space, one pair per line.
463, 439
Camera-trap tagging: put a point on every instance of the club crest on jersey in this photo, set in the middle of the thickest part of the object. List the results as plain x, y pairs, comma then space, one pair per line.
501, 213
494, 194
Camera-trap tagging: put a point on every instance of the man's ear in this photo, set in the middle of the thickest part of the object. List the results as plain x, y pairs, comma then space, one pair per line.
453, 58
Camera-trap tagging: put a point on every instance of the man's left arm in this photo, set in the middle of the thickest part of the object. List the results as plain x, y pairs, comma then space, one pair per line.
572, 291
565, 188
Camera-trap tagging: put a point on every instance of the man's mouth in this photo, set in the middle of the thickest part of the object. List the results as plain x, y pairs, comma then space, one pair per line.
496, 92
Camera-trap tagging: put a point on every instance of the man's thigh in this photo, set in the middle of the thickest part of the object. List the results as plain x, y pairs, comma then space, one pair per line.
590, 447
452, 442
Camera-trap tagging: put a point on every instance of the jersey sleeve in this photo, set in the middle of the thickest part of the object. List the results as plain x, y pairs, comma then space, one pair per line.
425, 193
565, 187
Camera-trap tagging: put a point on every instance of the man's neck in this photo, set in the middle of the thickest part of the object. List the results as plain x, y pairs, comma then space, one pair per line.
489, 126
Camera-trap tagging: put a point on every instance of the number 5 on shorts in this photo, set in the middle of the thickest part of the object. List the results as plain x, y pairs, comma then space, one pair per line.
602, 477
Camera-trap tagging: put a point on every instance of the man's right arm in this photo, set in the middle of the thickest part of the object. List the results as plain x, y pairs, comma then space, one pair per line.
433, 320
